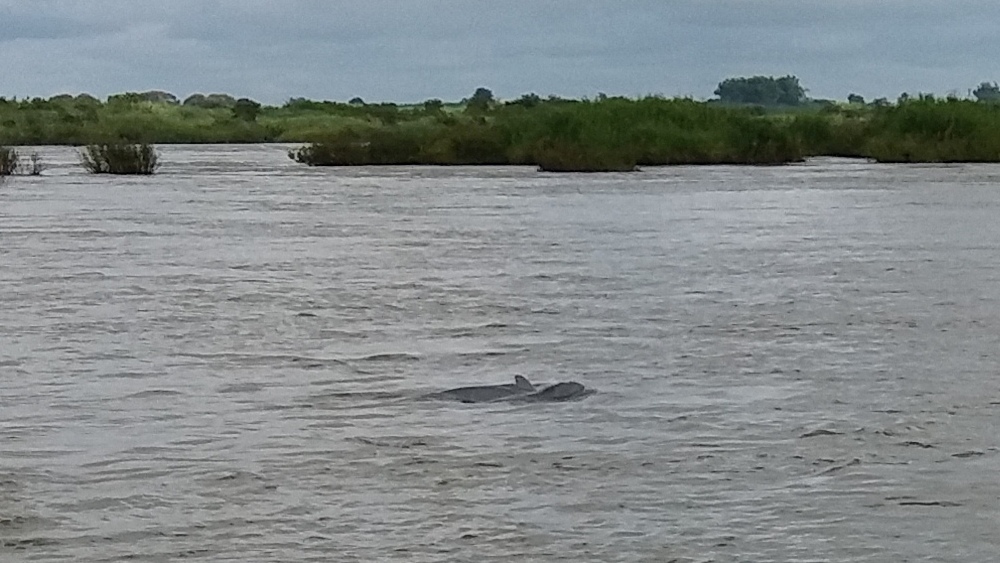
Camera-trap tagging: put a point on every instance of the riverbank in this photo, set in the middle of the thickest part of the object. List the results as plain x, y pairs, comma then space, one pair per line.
557, 134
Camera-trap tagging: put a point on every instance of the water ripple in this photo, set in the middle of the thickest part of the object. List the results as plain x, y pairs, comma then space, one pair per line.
229, 361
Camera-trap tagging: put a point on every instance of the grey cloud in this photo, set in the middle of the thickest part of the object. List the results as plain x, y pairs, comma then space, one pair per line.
415, 49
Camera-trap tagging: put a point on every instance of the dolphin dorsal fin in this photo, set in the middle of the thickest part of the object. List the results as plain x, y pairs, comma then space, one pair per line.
522, 383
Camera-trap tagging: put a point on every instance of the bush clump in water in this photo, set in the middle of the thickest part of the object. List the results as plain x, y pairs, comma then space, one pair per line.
34, 166
8, 161
120, 158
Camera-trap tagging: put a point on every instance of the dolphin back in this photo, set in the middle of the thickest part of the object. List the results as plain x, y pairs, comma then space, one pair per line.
520, 390
488, 393
564, 391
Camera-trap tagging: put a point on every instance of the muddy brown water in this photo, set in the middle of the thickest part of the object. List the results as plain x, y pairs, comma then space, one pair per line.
225, 362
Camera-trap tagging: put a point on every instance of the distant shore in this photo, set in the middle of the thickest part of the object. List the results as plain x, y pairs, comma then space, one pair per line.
607, 134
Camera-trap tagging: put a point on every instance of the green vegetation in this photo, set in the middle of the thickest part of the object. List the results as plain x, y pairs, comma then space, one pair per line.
8, 161
762, 90
34, 165
12, 163
934, 130
755, 120
987, 92
119, 158
576, 157
609, 134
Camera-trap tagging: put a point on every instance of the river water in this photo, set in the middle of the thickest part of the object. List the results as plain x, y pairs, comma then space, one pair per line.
227, 362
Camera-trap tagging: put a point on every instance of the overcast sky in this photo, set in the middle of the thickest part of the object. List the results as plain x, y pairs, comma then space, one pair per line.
412, 50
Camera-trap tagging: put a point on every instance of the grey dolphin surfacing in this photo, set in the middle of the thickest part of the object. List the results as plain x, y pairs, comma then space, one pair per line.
565, 391
520, 391
486, 393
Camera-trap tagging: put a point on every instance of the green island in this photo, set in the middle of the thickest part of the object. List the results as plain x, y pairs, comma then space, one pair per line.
755, 120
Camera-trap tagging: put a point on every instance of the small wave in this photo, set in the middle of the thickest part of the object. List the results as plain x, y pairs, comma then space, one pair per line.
264, 359
154, 393
241, 388
487, 353
395, 442
387, 357
361, 395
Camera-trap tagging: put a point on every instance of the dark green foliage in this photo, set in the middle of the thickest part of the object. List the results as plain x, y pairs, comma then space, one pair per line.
528, 101
761, 141
8, 161
159, 97
246, 109
831, 133
855, 99
385, 145
126, 99
129, 98
481, 100
433, 106
210, 101
930, 130
120, 158
613, 134
762, 90
604, 134
428, 143
562, 156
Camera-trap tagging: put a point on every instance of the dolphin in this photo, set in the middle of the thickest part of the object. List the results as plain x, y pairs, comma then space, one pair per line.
486, 393
520, 391
565, 391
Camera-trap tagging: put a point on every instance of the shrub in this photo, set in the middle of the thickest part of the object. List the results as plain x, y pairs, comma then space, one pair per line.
379, 146
347, 148
34, 166
929, 130
120, 158
8, 161
572, 157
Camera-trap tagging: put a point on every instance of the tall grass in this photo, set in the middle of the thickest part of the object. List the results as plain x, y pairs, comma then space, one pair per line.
609, 133
613, 134
553, 156
435, 142
929, 130
120, 158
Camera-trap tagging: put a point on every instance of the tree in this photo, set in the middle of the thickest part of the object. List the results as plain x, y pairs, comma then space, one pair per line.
356, 101
127, 98
159, 96
528, 100
210, 101
987, 92
481, 100
246, 109
152, 96
790, 92
762, 90
433, 105
855, 99
86, 100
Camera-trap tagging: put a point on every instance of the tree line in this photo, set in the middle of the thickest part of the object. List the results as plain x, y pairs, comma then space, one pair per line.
604, 133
